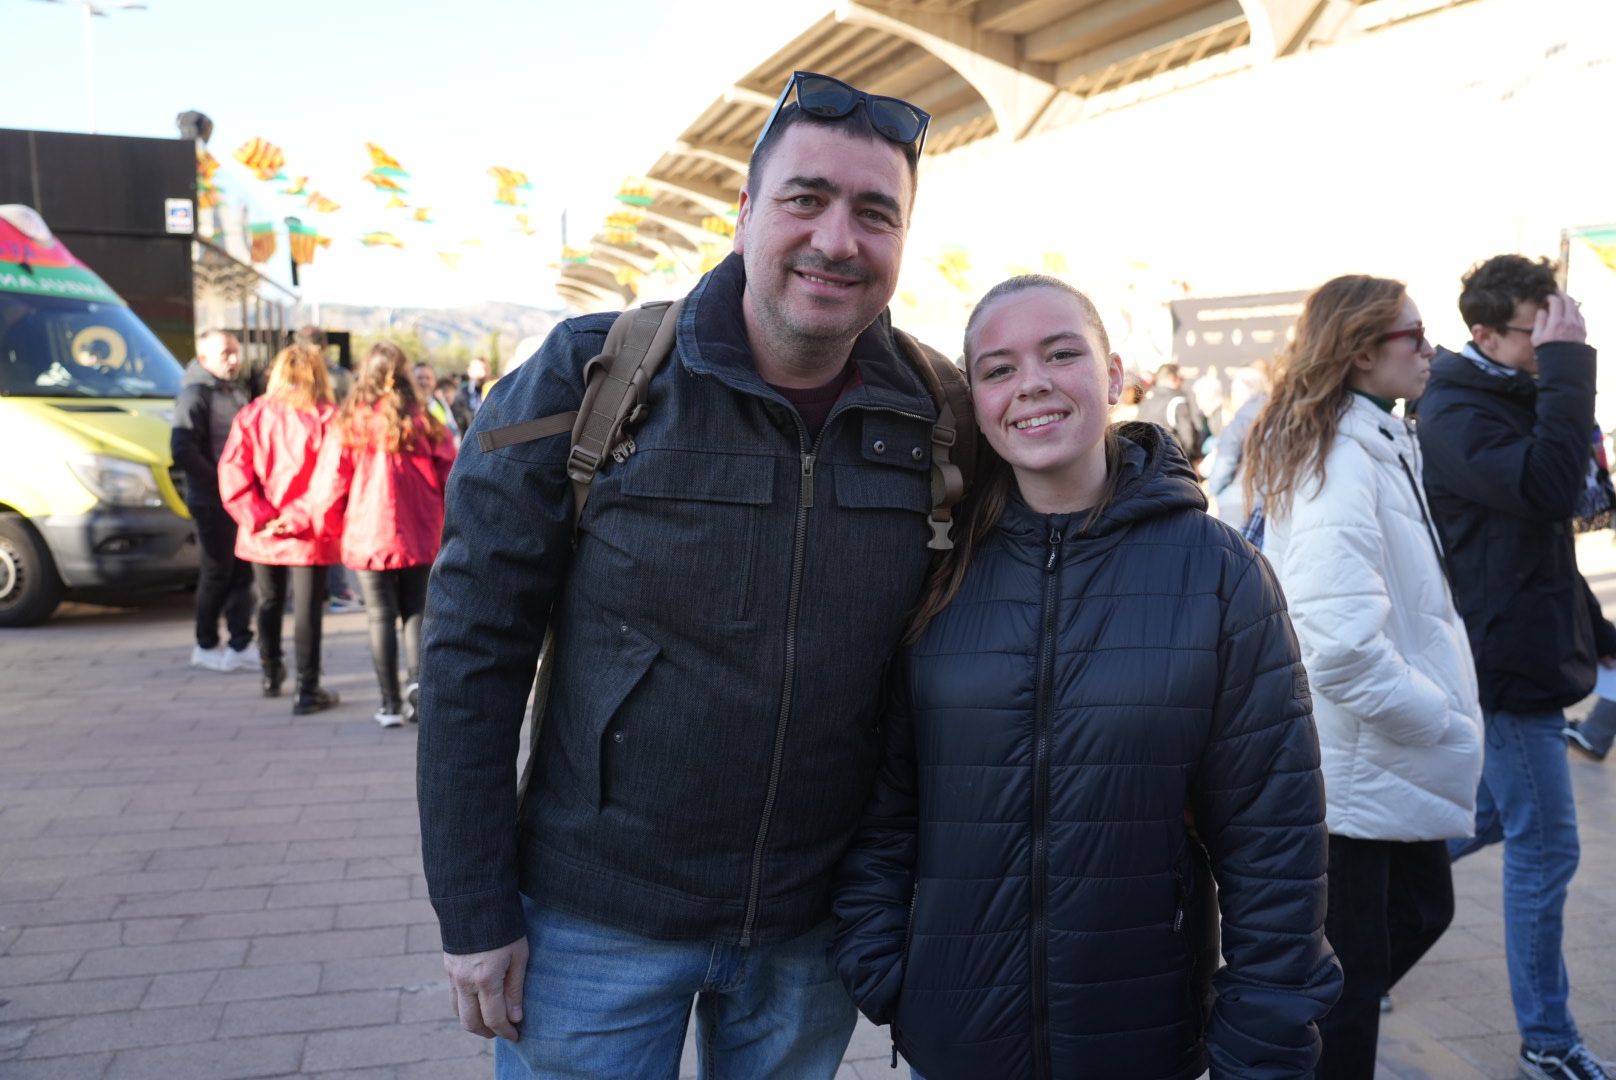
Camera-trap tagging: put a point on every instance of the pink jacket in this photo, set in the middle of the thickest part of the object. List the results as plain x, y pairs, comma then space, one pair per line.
388, 508
264, 473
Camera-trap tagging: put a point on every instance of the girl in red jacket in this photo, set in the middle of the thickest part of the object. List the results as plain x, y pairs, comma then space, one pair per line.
382, 477
264, 476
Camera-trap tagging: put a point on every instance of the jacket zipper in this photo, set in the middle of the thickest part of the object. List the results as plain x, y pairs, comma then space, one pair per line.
1040, 817
903, 957
1425, 515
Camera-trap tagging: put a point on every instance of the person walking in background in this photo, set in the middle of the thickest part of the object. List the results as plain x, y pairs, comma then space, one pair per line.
1250, 392
207, 405
381, 481
264, 475
1170, 405
427, 390
1504, 425
1079, 779
1394, 686
469, 398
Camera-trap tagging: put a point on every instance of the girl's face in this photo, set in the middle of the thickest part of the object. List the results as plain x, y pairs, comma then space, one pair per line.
1042, 388
1400, 365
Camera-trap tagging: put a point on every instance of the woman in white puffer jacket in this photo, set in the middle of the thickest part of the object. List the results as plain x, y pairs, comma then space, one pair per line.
1394, 685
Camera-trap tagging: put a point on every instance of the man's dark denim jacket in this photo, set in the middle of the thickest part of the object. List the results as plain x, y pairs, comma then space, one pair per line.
722, 631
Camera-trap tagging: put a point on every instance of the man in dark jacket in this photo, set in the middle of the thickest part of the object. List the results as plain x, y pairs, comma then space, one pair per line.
1169, 404
207, 404
742, 570
1504, 425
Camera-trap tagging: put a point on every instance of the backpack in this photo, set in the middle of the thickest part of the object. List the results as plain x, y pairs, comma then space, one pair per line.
641, 338
615, 385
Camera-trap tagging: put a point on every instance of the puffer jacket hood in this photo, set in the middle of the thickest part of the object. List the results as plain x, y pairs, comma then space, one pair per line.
1394, 685
1026, 898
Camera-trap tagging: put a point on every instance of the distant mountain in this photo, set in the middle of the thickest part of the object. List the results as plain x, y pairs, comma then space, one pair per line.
440, 330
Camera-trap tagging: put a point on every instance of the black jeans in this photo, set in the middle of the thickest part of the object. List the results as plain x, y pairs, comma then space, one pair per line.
391, 595
223, 582
308, 605
1389, 902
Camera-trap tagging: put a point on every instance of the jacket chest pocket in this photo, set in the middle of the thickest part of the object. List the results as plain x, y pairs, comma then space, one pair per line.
690, 523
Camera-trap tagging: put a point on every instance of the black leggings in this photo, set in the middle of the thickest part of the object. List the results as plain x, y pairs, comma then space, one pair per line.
391, 595
308, 605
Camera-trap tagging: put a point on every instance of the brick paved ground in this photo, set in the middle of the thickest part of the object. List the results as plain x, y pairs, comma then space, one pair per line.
194, 884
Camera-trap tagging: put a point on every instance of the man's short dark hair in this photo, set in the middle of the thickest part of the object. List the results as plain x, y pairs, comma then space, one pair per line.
1489, 292
856, 123
1167, 371
309, 335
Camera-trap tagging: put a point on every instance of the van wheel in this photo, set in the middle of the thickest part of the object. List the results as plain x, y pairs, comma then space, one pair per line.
29, 586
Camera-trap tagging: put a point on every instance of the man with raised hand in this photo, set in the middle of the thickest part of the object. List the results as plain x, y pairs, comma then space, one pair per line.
741, 572
1505, 424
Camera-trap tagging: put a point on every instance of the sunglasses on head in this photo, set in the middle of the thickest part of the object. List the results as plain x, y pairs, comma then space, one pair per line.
830, 99
1414, 333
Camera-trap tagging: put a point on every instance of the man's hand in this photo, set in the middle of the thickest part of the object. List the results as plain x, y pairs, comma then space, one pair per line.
487, 989
1559, 320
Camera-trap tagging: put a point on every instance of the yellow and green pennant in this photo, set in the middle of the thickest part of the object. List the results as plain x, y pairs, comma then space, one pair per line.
304, 240
261, 238
381, 239
1602, 238
262, 157
634, 192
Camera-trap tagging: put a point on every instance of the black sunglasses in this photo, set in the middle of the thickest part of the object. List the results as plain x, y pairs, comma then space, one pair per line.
831, 99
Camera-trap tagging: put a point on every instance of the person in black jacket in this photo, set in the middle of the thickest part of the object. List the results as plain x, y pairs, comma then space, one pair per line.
1504, 425
208, 401
1100, 740
1170, 404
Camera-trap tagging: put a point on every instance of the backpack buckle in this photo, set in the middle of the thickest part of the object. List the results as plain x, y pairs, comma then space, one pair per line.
939, 535
582, 464
943, 436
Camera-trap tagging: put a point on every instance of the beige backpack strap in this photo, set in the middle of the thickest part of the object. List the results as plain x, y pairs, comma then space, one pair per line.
953, 436
614, 396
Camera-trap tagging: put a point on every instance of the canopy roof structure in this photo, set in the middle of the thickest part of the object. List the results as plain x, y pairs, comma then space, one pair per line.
984, 69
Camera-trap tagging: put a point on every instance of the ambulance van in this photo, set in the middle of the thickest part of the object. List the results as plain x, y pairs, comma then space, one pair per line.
88, 498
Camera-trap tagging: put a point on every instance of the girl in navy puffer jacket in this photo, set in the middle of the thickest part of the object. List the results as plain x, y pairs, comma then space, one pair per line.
1100, 742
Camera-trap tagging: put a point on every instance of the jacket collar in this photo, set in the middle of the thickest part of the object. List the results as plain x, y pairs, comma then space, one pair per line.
1383, 436
712, 341
1458, 369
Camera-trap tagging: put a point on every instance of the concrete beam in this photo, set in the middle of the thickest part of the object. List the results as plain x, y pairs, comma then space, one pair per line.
693, 235
1281, 27
618, 254
730, 155
713, 198
1017, 92
1147, 40
741, 95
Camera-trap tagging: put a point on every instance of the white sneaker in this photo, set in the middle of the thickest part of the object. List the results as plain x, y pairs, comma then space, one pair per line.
241, 659
214, 659
388, 719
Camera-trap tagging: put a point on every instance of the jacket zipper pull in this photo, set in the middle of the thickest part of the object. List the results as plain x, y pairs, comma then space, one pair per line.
1054, 549
894, 1052
1178, 920
807, 501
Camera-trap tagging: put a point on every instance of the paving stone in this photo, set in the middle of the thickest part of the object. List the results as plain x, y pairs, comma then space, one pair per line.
392, 1045
222, 1059
196, 902
370, 890
117, 1031
391, 913
158, 959
180, 988
254, 984
322, 1012
75, 937
69, 1067
71, 998
329, 946
28, 970
292, 873
404, 972
220, 855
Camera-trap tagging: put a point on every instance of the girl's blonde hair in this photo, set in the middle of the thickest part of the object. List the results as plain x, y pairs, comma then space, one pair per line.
1287, 443
298, 378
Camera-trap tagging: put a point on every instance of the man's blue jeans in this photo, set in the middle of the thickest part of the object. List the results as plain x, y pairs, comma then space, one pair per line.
1525, 800
601, 1002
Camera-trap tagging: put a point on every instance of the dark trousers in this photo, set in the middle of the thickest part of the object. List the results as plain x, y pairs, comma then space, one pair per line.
391, 595
1389, 902
308, 605
223, 582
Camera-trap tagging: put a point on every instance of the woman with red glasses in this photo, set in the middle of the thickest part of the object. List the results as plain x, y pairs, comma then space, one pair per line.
1394, 687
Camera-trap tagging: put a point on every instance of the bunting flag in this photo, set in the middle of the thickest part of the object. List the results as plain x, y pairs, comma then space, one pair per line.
395, 203
380, 239
300, 186
665, 266
524, 225
382, 182
451, 259
628, 277
322, 204
718, 226
423, 215
304, 239
576, 256
1602, 238
1055, 264
619, 237
262, 157
635, 193
711, 256
383, 162
262, 236
206, 164
207, 195
954, 265
472, 242
507, 182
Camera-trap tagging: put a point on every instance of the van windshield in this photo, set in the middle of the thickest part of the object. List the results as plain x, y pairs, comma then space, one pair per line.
61, 347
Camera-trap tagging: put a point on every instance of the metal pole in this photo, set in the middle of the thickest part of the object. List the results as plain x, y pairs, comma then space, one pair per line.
89, 65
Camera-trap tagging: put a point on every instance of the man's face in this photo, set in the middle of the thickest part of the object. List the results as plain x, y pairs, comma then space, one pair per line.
822, 234
426, 380
1511, 344
220, 356
477, 370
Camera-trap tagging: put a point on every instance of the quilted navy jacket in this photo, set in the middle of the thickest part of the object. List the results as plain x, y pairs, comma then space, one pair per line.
1027, 896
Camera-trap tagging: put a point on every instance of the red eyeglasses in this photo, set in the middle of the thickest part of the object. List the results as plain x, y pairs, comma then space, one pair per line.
1415, 333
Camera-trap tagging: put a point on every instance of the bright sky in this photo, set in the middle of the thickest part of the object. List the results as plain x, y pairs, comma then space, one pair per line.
576, 94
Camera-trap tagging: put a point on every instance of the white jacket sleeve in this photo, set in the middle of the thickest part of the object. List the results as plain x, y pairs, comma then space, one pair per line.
1333, 574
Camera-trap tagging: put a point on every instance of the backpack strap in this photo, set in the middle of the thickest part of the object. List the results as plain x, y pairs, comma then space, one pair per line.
615, 383
953, 436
